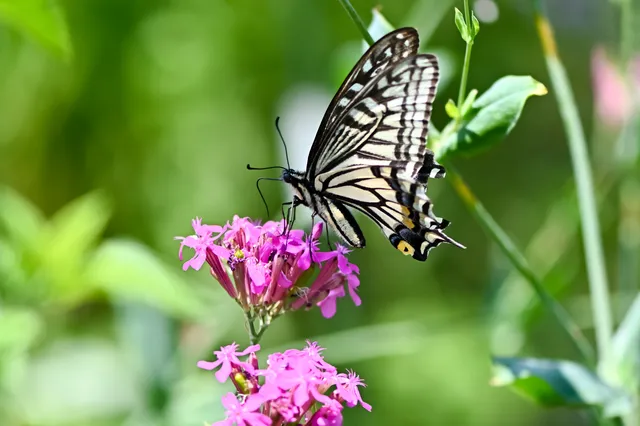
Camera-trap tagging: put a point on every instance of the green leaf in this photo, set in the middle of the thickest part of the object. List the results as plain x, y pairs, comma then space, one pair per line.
468, 103
426, 16
128, 270
19, 330
77, 227
462, 26
559, 383
491, 117
41, 20
451, 109
71, 234
475, 25
624, 364
20, 219
379, 26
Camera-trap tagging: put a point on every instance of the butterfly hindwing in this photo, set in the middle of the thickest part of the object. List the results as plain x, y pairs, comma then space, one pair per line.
340, 219
396, 202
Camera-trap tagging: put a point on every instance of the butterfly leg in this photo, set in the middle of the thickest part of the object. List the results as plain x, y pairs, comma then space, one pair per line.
285, 218
326, 231
290, 219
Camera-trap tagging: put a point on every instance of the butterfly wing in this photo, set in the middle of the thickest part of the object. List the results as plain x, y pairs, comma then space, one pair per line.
390, 49
375, 157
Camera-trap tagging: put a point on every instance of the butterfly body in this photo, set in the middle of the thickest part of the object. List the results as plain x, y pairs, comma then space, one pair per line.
370, 152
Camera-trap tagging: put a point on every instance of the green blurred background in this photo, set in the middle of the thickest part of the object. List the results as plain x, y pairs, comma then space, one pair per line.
113, 139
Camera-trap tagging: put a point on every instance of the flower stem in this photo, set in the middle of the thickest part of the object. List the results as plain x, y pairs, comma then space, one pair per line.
520, 263
254, 335
357, 20
467, 60
586, 200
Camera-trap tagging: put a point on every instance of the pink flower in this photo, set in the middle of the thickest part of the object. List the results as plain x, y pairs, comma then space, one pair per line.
340, 254
299, 387
347, 389
228, 359
199, 242
614, 98
265, 268
328, 415
241, 414
328, 287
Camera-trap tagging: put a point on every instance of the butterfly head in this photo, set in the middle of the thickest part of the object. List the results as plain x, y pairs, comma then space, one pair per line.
298, 183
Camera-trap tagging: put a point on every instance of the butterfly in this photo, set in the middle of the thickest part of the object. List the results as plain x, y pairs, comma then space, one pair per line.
370, 151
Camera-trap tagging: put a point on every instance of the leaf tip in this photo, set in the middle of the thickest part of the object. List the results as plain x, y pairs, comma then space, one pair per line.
540, 89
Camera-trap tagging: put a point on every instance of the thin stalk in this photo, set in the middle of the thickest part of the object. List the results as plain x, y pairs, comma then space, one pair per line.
467, 60
520, 263
255, 335
594, 257
627, 155
357, 20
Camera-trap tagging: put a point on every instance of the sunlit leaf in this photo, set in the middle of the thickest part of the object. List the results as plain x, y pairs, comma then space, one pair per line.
65, 245
475, 25
491, 117
195, 397
426, 16
19, 329
462, 26
76, 380
78, 225
378, 27
20, 220
42, 20
451, 109
9, 267
625, 360
558, 383
129, 270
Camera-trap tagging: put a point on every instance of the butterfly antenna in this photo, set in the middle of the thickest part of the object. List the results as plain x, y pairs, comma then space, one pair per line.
286, 153
266, 206
250, 167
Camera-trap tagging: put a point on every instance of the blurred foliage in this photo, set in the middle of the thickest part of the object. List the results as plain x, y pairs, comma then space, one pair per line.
108, 154
559, 383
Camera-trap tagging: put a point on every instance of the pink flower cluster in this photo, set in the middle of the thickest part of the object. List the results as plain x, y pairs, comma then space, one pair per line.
615, 98
298, 387
265, 267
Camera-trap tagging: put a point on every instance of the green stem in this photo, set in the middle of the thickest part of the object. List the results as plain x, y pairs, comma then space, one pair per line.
467, 60
626, 30
628, 237
520, 263
254, 336
586, 200
357, 20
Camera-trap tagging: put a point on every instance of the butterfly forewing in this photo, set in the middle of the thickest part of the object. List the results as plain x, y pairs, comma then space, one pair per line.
389, 122
392, 48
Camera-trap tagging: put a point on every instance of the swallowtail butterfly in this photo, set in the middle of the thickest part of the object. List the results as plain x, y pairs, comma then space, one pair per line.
370, 151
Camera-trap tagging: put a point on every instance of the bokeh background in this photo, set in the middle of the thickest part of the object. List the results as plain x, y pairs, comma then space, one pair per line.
112, 139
